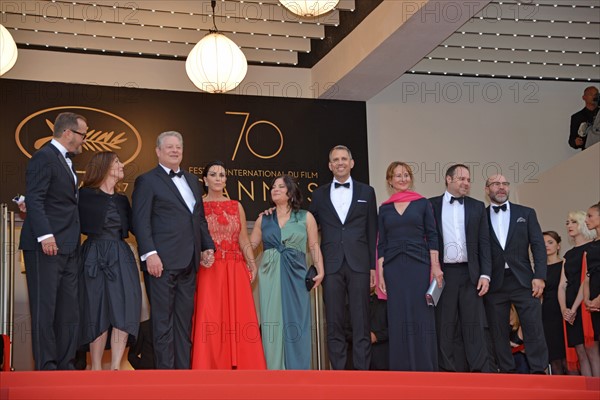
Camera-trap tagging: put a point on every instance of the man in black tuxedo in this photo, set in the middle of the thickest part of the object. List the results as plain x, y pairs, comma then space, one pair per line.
585, 115
465, 258
173, 239
347, 215
50, 244
514, 231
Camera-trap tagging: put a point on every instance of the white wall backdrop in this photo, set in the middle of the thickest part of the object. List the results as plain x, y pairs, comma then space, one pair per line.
516, 127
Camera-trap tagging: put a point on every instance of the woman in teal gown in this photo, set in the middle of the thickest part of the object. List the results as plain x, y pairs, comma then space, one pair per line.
286, 233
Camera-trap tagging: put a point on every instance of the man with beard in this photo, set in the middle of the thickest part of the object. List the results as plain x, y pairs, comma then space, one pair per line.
464, 241
514, 231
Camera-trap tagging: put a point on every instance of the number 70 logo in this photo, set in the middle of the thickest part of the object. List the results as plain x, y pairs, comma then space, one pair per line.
246, 134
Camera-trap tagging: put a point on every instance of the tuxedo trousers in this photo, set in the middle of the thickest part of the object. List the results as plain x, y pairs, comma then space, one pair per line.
460, 323
347, 286
529, 310
171, 298
53, 286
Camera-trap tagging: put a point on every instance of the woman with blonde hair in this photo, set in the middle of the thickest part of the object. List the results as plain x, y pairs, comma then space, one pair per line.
111, 295
570, 296
591, 284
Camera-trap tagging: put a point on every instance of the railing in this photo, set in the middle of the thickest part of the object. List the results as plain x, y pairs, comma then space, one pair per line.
7, 281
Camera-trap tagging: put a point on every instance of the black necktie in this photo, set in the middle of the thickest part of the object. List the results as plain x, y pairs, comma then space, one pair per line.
498, 208
70, 155
173, 174
459, 199
337, 185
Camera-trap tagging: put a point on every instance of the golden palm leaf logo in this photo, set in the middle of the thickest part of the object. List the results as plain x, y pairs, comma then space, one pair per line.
124, 138
94, 141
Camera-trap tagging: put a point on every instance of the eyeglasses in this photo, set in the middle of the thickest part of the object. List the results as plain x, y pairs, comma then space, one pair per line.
498, 184
83, 135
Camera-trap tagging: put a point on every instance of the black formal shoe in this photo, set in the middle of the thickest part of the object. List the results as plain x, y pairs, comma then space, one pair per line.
80, 360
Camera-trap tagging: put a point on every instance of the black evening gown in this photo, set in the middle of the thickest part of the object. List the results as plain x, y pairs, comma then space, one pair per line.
593, 271
551, 315
573, 264
404, 242
112, 292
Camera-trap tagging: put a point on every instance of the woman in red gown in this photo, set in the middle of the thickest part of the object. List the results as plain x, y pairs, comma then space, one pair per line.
226, 333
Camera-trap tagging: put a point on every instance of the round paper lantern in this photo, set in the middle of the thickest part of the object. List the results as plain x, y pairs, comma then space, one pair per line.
8, 51
216, 64
309, 8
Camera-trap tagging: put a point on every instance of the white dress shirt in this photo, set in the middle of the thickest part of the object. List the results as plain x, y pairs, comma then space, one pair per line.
186, 193
500, 223
184, 188
453, 229
63, 151
341, 197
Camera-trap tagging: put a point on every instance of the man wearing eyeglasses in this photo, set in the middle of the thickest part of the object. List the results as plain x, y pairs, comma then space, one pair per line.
514, 231
50, 244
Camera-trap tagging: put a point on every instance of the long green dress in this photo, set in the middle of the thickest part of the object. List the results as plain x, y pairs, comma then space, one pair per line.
284, 300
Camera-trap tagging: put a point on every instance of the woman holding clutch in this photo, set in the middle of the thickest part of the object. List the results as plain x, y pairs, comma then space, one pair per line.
286, 233
408, 257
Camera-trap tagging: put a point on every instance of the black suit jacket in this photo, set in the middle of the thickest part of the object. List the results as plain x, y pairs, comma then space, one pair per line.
51, 200
524, 232
580, 116
476, 233
356, 238
163, 223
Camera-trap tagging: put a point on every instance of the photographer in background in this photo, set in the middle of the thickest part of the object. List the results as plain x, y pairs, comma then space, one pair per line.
583, 120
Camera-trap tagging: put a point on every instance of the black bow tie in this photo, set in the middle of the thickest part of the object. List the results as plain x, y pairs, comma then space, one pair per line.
70, 155
337, 185
461, 200
173, 174
498, 208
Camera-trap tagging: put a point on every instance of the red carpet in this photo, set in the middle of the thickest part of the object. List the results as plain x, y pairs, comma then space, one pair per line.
111, 385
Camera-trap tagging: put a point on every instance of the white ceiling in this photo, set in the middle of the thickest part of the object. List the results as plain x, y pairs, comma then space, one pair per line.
533, 39
265, 30
526, 39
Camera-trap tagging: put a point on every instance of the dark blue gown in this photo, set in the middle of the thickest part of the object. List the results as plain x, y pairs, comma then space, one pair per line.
404, 242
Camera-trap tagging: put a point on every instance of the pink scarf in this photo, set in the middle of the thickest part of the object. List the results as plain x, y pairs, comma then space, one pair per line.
398, 197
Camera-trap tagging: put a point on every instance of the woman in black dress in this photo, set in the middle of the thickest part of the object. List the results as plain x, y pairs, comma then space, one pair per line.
570, 295
111, 293
551, 314
591, 284
408, 257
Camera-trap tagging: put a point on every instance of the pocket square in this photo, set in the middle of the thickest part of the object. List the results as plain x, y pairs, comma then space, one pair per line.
521, 219
361, 201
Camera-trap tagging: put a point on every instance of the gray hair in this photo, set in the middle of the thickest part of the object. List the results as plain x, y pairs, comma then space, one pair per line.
162, 136
64, 121
340, 147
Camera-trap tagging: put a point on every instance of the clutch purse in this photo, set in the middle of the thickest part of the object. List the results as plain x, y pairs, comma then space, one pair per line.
311, 272
434, 292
